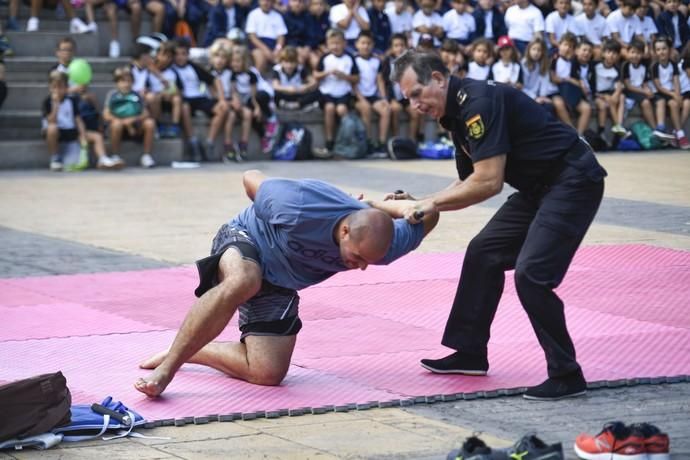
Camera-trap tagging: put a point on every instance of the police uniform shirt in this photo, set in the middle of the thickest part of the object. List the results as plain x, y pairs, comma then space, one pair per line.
191, 76
477, 71
665, 74
265, 25
593, 29
502, 73
627, 28
156, 84
297, 79
332, 85
459, 26
420, 19
488, 119
140, 78
369, 70
605, 78
243, 83
636, 74
224, 77
67, 112
683, 67
557, 25
523, 23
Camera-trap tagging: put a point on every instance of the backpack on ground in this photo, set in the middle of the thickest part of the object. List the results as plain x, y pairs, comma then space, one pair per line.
644, 135
401, 148
34, 406
293, 143
436, 151
90, 421
351, 139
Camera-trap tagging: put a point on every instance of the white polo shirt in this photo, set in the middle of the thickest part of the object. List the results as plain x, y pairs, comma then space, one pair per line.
340, 12
140, 78
594, 29
511, 73
555, 24
458, 26
627, 28
605, 77
368, 73
636, 75
665, 74
648, 27
332, 85
400, 23
477, 72
265, 25
524, 23
420, 19
684, 79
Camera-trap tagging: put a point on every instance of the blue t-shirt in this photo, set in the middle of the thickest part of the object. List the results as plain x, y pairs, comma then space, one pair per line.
292, 223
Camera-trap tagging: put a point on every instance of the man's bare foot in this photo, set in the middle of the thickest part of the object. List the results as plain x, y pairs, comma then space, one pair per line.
154, 361
153, 385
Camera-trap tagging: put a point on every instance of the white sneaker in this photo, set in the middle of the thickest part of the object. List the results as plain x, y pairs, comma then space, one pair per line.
92, 26
55, 163
114, 51
106, 162
32, 24
147, 161
77, 26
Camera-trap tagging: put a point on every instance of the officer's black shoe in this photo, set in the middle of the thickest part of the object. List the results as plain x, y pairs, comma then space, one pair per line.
567, 386
475, 449
458, 363
531, 447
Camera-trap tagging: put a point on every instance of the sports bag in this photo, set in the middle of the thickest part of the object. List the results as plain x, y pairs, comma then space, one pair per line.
90, 421
34, 406
645, 136
351, 139
294, 143
436, 151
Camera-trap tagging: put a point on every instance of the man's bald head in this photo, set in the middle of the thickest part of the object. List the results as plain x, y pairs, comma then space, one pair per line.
368, 236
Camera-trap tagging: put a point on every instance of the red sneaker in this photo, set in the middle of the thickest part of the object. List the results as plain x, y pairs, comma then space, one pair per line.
683, 143
615, 442
656, 444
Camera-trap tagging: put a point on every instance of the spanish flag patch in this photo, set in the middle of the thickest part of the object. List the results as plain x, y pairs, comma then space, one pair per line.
475, 127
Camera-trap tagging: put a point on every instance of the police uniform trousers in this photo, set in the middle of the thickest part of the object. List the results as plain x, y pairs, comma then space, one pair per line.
536, 233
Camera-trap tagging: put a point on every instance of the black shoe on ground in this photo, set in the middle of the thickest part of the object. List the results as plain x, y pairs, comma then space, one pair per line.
554, 388
458, 363
475, 449
531, 447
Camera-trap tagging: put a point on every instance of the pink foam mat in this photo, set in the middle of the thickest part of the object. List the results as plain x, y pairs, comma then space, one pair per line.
628, 309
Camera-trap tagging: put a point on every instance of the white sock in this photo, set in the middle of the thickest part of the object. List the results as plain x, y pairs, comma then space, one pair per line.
680, 133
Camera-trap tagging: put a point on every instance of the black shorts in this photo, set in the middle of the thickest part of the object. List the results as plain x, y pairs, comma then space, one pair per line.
68, 135
326, 98
202, 104
273, 311
662, 97
372, 99
637, 97
166, 106
686, 95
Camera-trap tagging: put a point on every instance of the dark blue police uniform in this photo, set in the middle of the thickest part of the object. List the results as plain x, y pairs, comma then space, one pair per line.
559, 186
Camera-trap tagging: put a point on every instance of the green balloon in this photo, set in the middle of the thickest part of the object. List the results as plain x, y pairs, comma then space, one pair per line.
79, 72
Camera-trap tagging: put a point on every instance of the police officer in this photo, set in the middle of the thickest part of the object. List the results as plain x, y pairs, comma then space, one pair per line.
502, 135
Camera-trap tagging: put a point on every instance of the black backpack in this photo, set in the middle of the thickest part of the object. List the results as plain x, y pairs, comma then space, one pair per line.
294, 143
34, 406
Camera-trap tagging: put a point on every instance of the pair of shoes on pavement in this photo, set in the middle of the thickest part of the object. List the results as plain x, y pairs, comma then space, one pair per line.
553, 388
617, 441
529, 447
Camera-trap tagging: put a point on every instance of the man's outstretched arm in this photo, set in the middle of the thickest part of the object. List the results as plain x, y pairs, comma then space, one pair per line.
251, 180
396, 209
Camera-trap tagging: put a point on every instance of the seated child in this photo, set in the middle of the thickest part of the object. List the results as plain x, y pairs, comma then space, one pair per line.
293, 83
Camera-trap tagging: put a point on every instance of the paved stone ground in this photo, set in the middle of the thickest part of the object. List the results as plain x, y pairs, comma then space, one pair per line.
94, 222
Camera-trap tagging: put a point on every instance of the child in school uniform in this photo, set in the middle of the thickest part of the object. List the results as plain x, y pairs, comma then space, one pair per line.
337, 73
684, 78
479, 67
569, 83
635, 74
219, 56
164, 89
293, 83
266, 31
591, 25
297, 23
665, 77
400, 18
319, 23
458, 24
559, 22
426, 21
370, 92
397, 101
535, 72
380, 26
507, 68
608, 90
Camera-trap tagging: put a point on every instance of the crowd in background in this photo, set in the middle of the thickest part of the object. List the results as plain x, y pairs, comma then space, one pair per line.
582, 60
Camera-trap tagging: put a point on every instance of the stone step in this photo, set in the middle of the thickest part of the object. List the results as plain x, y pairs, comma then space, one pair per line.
34, 154
27, 96
35, 69
44, 43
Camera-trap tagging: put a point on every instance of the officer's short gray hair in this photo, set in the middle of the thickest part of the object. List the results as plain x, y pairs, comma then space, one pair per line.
423, 64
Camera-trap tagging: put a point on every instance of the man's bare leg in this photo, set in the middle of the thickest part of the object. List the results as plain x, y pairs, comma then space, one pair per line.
241, 280
262, 360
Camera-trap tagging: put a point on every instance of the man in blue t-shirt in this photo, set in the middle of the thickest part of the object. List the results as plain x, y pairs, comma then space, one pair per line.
296, 234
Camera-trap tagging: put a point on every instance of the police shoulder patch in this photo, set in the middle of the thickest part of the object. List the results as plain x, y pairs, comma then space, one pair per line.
475, 127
